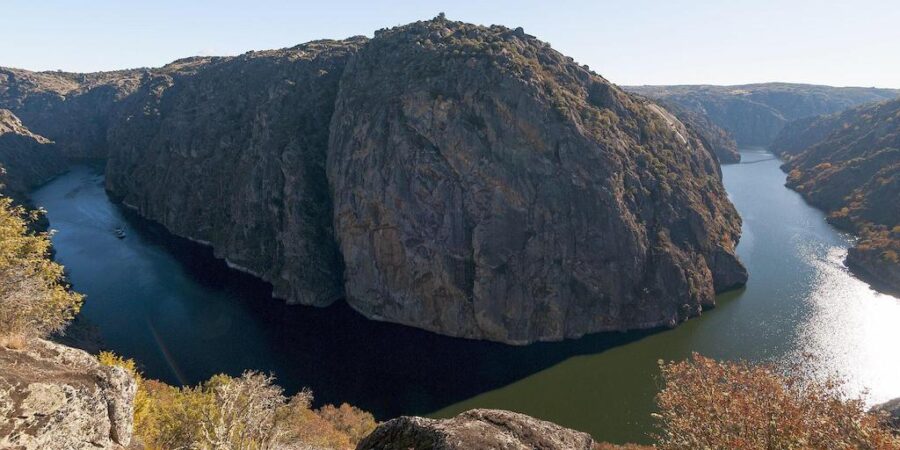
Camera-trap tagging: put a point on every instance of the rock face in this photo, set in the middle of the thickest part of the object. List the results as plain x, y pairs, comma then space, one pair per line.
476, 429
754, 113
27, 158
231, 152
486, 186
71, 109
713, 136
476, 182
57, 397
849, 165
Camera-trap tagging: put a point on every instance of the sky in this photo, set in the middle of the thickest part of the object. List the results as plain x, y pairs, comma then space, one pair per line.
839, 43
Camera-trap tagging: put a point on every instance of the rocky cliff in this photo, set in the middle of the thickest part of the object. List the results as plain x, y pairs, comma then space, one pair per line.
476, 182
57, 397
849, 165
713, 136
754, 113
486, 186
231, 152
28, 159
71, 109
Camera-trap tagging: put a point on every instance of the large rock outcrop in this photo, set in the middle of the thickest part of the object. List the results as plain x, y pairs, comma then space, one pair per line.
58, 397
72, 109
849, 165
476, 429
754, 113
27, 159
486, 186
478, 183
231, 152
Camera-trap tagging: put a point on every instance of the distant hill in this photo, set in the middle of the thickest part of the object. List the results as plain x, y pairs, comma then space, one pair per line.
753, 114
849, 165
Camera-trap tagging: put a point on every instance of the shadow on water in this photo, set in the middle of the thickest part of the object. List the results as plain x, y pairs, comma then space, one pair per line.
385, 368
190, 316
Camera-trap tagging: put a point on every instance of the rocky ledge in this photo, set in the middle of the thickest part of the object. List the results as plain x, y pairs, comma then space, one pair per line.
475, 429
53, 396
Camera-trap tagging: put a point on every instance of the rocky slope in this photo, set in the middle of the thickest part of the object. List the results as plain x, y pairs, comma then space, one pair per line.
849, 165
486, 186
475, 429
57, 397
71, 109
28, 159
754, 113
714, 137
231, 152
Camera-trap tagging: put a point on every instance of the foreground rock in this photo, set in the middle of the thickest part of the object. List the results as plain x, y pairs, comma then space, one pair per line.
475, 429
231, 152
486, 186
58, 397
849, 165
753, 114
28, 159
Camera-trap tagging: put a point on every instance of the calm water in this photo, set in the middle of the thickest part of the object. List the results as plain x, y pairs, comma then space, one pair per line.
167, 303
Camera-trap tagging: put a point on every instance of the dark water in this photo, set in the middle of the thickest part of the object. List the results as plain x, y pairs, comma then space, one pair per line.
167, 303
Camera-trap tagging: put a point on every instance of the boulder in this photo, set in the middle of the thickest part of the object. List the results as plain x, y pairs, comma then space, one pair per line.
484, 429
58, 397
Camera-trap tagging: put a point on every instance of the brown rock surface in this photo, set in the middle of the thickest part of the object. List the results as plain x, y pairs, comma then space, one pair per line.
486, 429
58, 397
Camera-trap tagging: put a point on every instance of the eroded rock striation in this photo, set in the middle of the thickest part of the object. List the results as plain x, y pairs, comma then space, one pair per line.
27, 159
486, 186
475, 429
753, 114
231, 152
849, 165
53, 396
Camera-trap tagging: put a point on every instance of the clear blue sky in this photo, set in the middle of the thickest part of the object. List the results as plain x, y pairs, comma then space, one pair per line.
629, 42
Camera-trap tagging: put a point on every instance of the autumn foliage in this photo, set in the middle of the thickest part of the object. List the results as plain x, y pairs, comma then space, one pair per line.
34, 298
706, 404
249, 412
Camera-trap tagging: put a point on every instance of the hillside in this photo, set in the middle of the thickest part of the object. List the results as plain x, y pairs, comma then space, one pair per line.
27, 159
849, 165
753, 114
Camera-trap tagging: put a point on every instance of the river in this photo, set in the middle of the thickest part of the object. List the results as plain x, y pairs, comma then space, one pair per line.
185, 316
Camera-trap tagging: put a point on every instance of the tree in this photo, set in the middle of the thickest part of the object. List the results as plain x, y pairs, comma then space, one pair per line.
34, 299
710, 404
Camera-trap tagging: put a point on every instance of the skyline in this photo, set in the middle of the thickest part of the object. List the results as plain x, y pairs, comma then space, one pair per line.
634, 43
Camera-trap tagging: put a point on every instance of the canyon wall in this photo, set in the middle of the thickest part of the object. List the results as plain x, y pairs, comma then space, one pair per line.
467, 180
753, 114
74, 110
486, 186
849, 165
231, 152
27, 159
